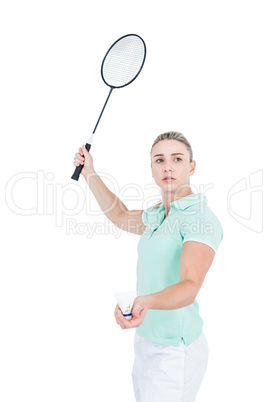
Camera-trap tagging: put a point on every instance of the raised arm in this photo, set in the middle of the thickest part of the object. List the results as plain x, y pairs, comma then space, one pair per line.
113, 208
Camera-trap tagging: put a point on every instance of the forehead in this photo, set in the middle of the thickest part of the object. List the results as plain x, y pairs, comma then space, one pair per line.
168, 147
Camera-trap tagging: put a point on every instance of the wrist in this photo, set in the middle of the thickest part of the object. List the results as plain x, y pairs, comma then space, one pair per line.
89, 176
150, 301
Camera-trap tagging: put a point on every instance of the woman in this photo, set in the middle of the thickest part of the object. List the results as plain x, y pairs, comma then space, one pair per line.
179, 238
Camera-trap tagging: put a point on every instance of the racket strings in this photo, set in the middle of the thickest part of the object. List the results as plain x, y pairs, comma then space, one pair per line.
124, 61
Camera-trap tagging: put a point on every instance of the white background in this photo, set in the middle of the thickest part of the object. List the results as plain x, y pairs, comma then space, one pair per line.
206, 76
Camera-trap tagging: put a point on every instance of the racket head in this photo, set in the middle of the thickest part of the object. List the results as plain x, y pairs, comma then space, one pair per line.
123, 61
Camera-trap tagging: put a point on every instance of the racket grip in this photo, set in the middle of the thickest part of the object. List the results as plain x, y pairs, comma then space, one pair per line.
79, 168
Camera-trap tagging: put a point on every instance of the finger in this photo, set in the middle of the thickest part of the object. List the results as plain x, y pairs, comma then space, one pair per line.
118, 317
123, 325
77, 163
79, 160
126, 323
78, 156
122, 321
118, 310
134, 324
84, 150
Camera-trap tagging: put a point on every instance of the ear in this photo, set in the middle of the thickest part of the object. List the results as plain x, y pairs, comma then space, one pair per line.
192, 167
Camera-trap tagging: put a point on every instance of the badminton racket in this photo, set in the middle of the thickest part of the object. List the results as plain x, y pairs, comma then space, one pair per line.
121, 65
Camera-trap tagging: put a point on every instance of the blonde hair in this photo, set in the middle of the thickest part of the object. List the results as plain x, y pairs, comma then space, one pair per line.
173, 135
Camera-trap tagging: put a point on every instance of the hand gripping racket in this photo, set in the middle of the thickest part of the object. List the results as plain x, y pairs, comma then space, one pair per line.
121, 65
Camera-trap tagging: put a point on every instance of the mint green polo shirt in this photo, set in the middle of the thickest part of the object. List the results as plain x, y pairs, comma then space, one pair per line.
158, 265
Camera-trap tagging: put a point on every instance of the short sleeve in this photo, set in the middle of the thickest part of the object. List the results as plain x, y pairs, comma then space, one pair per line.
144, 217
203, 227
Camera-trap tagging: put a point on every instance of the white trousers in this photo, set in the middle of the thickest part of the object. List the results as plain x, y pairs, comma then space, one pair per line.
164, 373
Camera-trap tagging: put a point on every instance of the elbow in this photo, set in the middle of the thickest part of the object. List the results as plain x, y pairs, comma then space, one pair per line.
194, 291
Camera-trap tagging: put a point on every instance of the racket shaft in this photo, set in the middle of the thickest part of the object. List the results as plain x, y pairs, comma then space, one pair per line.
103, 110
78, 169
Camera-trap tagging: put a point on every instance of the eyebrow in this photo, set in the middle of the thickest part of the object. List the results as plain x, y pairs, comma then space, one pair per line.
177, 153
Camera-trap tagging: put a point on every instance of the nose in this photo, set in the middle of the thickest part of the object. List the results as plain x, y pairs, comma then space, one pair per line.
167, 168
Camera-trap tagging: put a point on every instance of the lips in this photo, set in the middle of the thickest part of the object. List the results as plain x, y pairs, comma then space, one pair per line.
168, 178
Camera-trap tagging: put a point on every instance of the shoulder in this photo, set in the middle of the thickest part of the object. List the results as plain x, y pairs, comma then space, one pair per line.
200, 211
200, 223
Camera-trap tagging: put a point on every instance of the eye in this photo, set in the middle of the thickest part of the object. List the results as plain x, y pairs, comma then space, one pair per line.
162, 159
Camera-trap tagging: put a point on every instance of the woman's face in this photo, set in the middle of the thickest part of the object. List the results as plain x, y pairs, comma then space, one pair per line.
170, 158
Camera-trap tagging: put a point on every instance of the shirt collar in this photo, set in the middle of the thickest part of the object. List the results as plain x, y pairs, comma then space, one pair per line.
154, 216
186, 202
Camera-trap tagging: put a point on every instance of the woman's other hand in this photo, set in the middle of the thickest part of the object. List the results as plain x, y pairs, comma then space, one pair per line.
139, 311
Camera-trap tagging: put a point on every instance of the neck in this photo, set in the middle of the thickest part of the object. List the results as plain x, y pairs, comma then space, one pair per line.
167, 198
